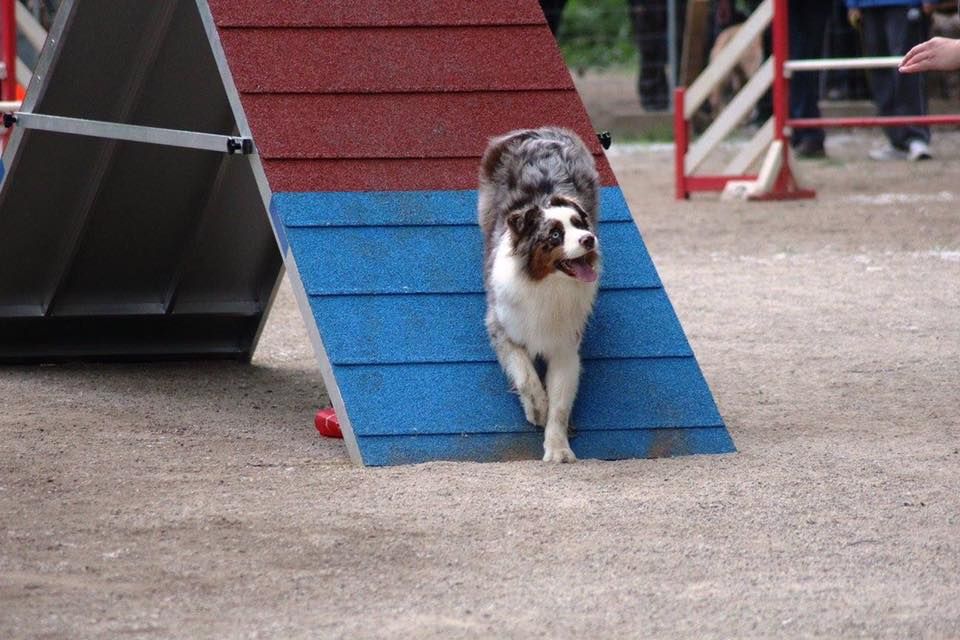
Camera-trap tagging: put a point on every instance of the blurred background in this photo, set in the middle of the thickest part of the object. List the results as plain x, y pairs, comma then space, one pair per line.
627, 55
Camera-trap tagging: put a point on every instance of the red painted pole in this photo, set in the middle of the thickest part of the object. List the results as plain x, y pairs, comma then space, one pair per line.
680, 142
781, 86
8, 33
8, 18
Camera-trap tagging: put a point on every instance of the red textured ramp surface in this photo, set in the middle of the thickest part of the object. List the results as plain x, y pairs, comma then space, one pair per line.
344, 13
383, 60
408, 125
392, 95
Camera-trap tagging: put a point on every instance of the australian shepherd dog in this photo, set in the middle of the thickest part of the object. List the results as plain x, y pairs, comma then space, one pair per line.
538, 213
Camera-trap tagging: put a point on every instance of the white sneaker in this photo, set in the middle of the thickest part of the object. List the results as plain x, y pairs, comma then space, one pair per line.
919, 150
887, 153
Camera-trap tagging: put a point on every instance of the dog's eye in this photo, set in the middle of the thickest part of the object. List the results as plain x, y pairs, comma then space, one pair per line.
555, 235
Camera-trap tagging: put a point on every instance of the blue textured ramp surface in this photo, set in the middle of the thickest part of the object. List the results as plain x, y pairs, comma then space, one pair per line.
604, 445
394, 281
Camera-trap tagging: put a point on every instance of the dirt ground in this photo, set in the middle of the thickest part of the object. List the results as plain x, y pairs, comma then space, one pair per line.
198, 501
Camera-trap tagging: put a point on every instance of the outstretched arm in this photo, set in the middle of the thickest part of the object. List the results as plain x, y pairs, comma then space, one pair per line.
936, 54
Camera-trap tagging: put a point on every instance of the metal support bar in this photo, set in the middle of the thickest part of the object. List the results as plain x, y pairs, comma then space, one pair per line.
134, 133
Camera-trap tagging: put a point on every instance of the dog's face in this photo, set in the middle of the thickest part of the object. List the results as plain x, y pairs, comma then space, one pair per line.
557, 239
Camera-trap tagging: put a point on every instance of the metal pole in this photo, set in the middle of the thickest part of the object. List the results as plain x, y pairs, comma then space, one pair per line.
672, 49
133, 133
9, 19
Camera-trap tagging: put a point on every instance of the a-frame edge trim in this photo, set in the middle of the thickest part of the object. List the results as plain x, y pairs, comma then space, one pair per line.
256, 166
326, 367
52, 47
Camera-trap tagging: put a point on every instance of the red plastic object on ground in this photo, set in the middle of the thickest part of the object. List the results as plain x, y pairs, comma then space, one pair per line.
327, 423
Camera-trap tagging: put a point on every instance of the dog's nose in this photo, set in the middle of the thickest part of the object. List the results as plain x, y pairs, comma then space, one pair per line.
588, 242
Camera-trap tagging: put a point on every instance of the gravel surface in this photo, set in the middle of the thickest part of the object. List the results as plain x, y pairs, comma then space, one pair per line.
196, 500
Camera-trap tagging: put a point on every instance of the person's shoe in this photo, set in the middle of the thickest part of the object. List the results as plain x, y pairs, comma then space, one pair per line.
887, 153
918, 150
810, 149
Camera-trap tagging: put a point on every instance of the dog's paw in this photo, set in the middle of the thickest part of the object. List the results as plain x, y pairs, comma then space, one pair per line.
535, 407
558, 454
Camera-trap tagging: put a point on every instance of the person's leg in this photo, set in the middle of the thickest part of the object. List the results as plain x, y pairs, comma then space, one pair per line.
649, 19
553, 11
808, 23
906, 28
882, 81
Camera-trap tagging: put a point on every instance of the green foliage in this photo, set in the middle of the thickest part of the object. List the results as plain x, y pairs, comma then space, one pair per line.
597, 34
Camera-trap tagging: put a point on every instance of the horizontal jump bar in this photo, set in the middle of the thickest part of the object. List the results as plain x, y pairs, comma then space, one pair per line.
843, 63
875, 121
10, 105
131, 133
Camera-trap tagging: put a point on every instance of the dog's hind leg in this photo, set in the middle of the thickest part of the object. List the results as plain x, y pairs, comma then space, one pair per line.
563, 378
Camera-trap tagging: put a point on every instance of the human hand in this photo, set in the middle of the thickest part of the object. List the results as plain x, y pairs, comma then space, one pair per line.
936, 54
853, 17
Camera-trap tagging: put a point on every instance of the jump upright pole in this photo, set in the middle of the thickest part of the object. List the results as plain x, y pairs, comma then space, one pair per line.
785, 186
9, 18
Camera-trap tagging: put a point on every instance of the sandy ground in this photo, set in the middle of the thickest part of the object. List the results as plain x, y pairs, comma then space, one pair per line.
196, 500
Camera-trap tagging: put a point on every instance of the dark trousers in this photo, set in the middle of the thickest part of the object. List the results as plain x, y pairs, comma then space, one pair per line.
808, 23
553, 11
649, 18
892, 31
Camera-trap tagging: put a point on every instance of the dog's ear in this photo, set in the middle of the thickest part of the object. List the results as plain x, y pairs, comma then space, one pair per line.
497, 147
522, 222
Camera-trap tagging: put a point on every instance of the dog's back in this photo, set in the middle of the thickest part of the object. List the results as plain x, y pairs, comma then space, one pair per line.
528, 167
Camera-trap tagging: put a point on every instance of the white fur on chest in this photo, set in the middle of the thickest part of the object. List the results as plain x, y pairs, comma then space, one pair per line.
545, 316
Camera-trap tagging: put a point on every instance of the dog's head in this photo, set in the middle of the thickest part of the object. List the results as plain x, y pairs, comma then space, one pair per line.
556, 239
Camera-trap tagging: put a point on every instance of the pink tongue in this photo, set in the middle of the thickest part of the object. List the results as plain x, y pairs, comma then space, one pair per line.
582, 271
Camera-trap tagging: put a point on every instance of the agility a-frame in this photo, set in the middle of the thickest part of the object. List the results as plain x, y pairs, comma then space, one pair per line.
351, 135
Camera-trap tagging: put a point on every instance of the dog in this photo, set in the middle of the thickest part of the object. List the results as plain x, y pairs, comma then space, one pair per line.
747, 66
537, 208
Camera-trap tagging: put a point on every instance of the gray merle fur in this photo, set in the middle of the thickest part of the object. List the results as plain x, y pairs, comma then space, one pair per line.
523, 171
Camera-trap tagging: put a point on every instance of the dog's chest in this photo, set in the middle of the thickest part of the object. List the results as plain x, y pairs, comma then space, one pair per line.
543, 315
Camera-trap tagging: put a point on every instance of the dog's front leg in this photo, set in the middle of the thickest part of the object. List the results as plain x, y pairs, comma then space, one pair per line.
519, 368
563, 377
